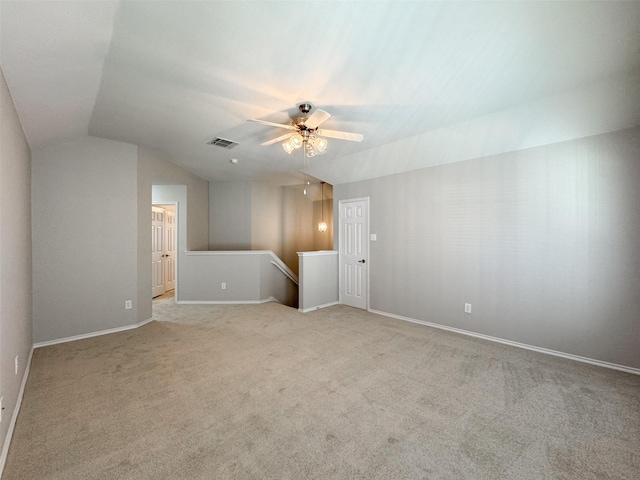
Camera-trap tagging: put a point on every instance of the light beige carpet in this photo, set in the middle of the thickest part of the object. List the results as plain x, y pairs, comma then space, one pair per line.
264, 392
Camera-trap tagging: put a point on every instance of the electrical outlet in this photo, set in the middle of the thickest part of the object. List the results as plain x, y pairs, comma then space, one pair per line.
128, 305
223, 285
16, 362
467, 308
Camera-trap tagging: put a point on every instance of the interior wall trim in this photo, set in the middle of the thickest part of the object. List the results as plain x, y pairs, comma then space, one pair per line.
317, 253
14, 416
92, 334
137, 325
317, 307
228, 302
569, 356
210, 253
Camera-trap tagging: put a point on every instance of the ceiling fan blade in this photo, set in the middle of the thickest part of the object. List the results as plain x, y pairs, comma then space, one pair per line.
279, 139
353, 137
272, 124
316, 118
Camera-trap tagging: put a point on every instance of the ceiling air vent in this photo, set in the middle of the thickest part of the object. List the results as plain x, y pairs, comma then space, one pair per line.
222, 142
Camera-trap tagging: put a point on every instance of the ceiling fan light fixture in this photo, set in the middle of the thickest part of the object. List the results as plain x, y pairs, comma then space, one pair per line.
322, 226
321, 144
310, 150
306, 132
287, 147
296, 140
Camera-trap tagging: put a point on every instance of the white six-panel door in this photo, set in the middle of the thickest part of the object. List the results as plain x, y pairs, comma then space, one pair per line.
170, 251
354, 252
157, 251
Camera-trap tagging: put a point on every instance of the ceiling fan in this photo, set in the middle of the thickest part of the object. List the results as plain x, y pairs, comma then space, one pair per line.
306, 134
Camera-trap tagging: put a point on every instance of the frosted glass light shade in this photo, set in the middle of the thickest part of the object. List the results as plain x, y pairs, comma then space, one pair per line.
287, 147
321, 144
311, 151
322, 227
296, 141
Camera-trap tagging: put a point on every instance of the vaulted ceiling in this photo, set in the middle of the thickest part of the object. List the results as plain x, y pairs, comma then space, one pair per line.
425, 82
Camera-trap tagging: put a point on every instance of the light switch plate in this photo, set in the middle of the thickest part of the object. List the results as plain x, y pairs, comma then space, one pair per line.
374, 237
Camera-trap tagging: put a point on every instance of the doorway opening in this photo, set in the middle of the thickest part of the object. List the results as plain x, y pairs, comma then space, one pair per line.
163, 250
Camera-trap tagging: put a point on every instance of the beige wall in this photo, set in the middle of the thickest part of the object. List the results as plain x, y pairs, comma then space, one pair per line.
266, 218
297, 227
92, 233
543, 242
258, 216
154, 169
84, 237
15, 257
230, 216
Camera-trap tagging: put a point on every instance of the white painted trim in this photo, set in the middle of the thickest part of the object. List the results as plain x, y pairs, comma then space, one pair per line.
177, 239
317, 253
285, 272
92, 334
195, 253
277, 261
317, 307
227, 302
14, 416
555, 353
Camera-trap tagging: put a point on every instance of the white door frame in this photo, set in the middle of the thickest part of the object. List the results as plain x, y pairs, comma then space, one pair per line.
158, 239
365, 238
177, 235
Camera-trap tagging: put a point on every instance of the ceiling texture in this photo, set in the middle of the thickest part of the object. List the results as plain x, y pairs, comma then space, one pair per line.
425, 82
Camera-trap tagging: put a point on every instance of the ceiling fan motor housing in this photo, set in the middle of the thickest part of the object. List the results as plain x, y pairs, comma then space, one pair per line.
305, 107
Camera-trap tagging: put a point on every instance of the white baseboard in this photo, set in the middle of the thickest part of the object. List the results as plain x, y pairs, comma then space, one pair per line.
92, 334
137, 325
227, 302
324, 305
14, 416
577, 358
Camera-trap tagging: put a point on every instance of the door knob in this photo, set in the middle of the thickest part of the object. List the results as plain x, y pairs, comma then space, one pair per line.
361, 261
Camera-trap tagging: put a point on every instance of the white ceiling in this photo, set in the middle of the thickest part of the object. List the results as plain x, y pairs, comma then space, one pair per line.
425, 82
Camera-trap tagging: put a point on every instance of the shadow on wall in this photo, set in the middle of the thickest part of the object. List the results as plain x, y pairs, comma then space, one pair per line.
304, 207
259, 216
